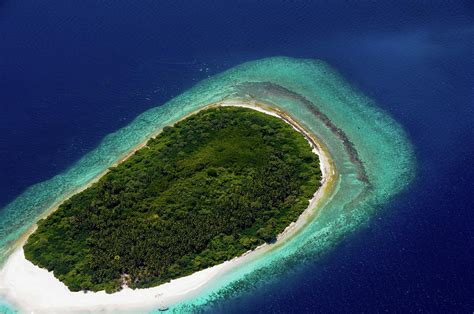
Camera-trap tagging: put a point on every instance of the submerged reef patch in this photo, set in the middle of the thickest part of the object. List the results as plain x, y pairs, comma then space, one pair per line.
372, 157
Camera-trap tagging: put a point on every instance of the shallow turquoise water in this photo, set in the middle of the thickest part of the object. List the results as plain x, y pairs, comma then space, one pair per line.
372, 155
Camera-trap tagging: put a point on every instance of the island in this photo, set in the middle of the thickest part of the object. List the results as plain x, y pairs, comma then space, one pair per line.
211, 187
204, 198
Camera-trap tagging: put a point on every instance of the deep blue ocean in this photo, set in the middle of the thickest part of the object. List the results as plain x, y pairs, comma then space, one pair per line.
72, 72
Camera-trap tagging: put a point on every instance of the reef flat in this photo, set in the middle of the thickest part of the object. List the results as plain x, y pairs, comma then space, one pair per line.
371, 154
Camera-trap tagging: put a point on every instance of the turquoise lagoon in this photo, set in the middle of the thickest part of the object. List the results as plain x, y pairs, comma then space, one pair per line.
371, 153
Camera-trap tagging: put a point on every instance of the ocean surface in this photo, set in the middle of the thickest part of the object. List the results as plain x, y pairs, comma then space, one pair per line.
72, 72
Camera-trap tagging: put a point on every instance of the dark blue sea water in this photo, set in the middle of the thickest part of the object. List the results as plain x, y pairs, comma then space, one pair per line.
73, 71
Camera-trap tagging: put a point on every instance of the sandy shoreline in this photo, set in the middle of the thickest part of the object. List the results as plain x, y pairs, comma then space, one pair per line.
31, 288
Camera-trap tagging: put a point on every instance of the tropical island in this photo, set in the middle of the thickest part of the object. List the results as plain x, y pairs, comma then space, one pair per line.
210, 188
93, 240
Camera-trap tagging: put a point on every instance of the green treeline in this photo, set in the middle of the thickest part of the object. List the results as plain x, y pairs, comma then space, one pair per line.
210, 188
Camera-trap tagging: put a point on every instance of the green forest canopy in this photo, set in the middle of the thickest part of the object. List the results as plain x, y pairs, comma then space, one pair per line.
210, 188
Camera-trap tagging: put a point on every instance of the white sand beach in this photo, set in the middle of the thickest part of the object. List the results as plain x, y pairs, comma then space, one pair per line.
35, 290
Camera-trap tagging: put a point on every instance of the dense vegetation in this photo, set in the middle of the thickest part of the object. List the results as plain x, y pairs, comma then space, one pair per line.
213, 186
